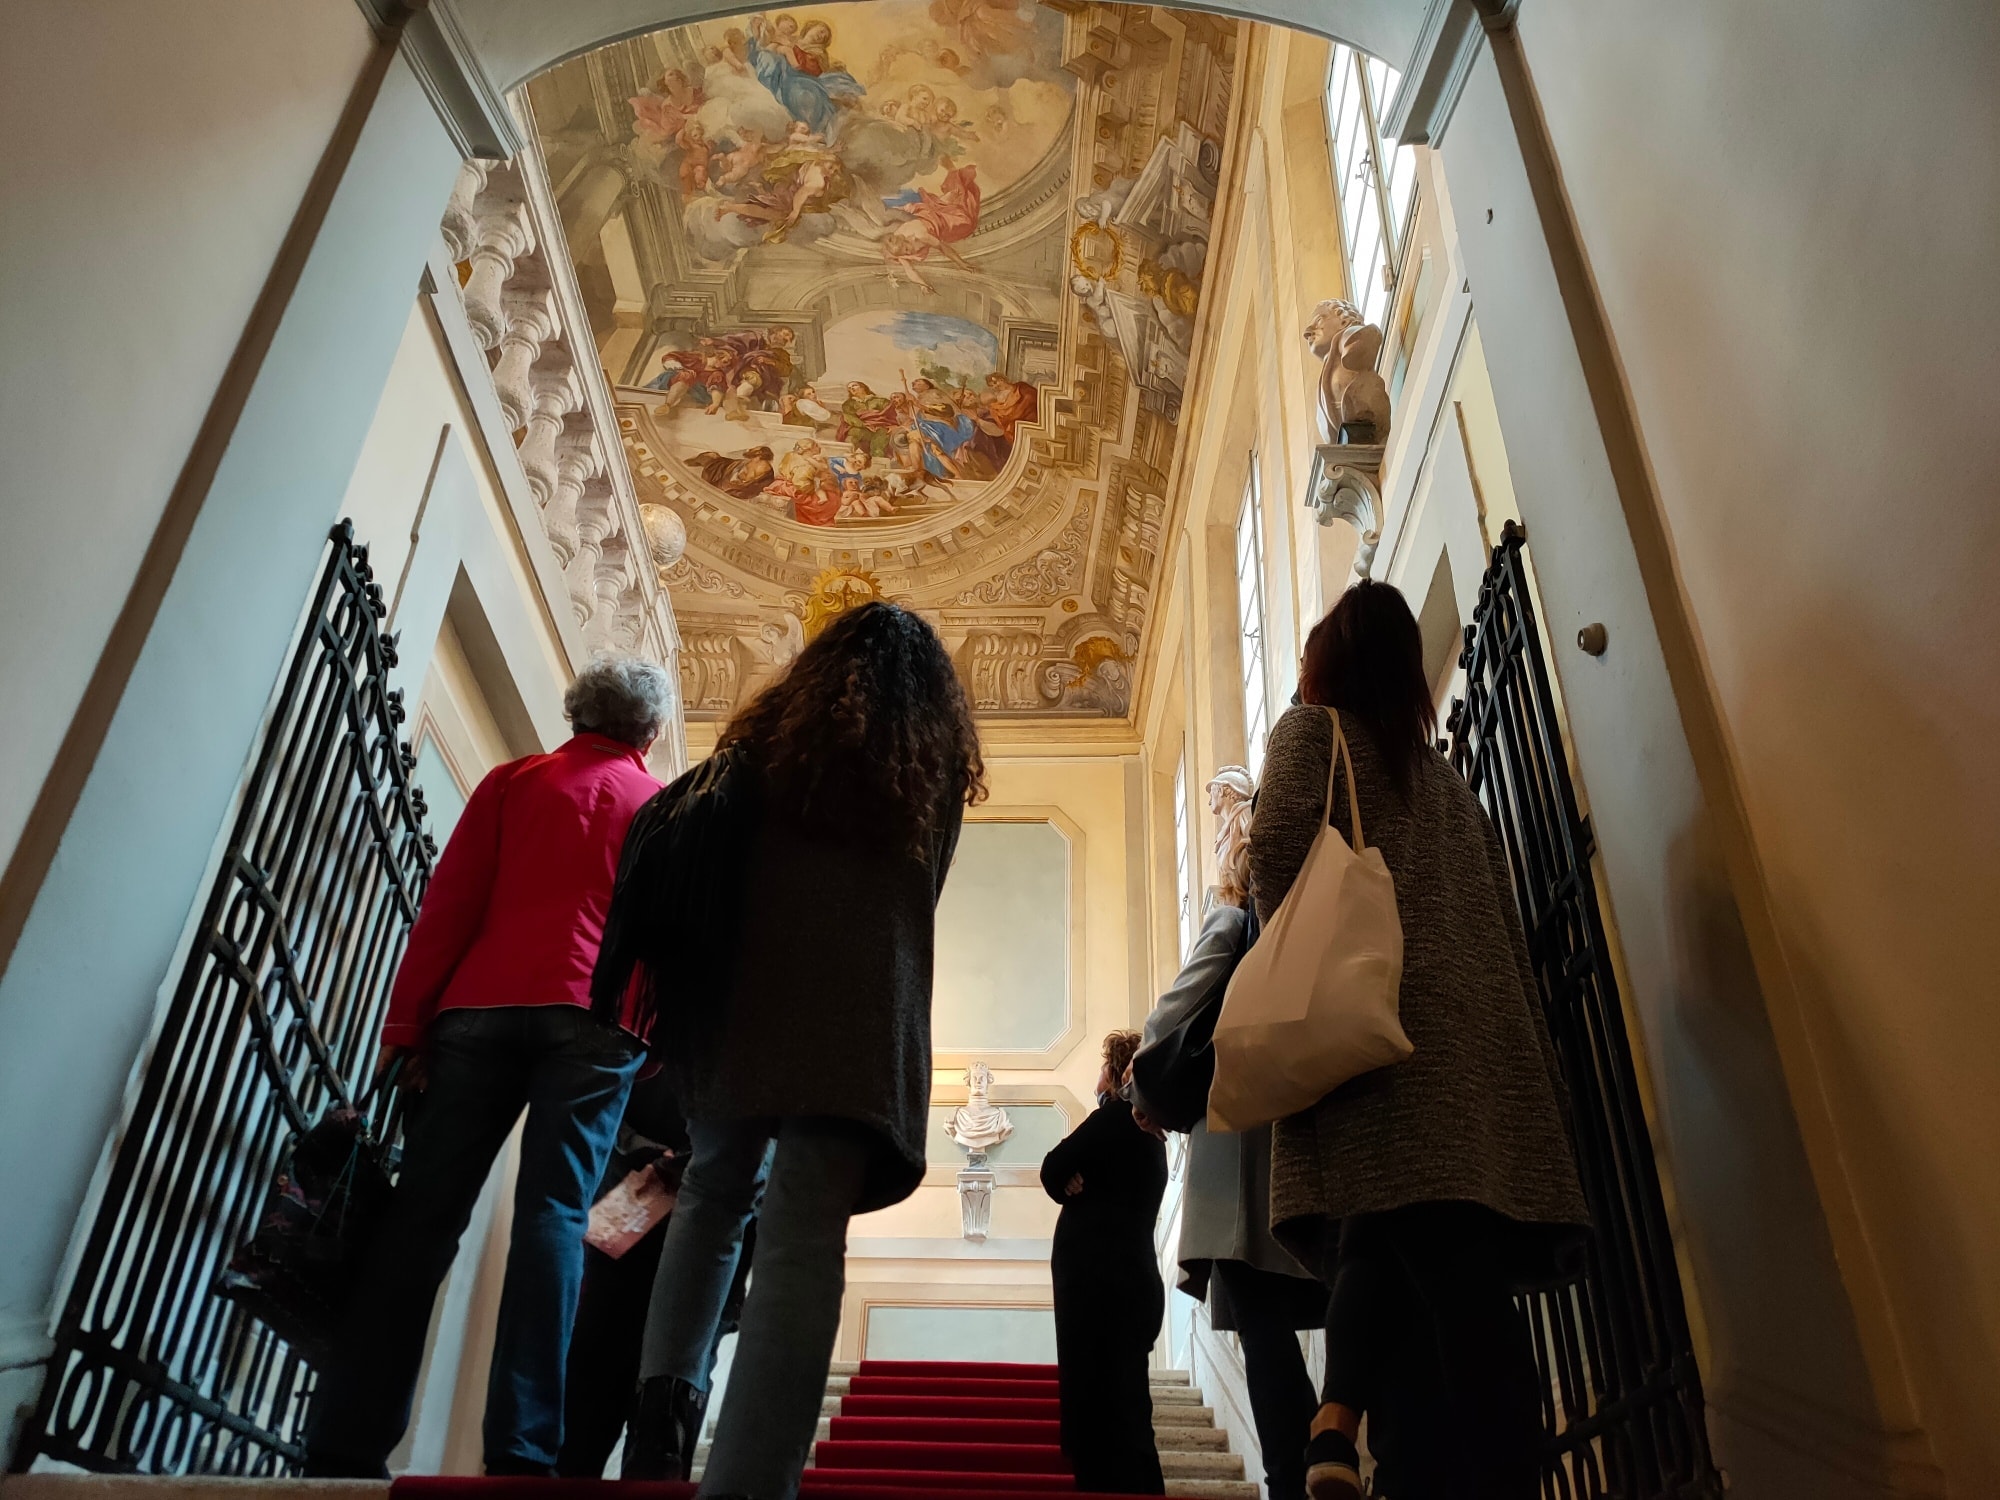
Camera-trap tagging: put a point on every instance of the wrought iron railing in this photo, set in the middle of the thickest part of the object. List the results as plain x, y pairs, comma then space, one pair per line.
273, 1019
1622, 1401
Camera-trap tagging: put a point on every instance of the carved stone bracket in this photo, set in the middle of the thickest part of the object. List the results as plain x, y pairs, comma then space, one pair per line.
1345, 487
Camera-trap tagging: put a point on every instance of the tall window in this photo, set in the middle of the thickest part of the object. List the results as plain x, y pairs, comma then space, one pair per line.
1374, 177
1183, 862
1250, 619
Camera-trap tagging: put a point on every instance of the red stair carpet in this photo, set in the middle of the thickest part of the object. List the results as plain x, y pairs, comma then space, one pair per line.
906, 1430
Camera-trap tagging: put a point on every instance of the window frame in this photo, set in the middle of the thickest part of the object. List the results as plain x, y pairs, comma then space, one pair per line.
1184, 854
1253, 620
1391, 227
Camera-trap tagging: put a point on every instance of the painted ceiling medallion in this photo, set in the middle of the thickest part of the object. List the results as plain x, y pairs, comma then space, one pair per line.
897, 300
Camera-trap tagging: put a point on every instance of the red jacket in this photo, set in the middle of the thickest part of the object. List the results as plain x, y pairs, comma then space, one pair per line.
515, 909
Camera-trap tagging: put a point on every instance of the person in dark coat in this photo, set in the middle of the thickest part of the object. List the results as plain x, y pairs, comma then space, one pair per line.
1428, 1191
1228, 1259
1109, 1175
611, 1312
810, 1081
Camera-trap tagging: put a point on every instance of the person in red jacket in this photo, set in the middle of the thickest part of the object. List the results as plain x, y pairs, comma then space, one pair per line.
490, 1016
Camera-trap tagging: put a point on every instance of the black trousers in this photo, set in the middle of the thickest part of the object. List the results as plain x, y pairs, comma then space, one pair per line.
604, 1354
1105, 1328
1264, 1309
1422, 1335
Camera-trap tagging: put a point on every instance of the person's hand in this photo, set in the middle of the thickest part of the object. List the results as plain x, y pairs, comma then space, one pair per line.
670, 1169
1074, 1185
414, 1075
1145, 1123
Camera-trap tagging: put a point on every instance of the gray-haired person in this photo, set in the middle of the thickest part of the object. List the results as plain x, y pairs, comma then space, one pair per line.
490, 1016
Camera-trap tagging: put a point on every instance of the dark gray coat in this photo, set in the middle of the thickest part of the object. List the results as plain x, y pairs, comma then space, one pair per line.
1474, 1113
829, 1010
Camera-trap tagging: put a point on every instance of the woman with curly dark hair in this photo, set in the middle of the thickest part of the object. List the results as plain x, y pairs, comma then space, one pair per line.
808, 1085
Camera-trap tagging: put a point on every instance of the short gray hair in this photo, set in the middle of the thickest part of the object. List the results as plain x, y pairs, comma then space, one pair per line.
620, 696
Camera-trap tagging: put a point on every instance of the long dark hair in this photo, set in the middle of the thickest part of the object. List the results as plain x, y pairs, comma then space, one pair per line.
1367, 658
868, 737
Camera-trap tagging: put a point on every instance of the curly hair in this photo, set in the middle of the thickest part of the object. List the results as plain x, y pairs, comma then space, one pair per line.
1120, 1047
868, 737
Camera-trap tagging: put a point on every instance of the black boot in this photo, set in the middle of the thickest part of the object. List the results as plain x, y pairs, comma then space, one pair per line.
666, 1424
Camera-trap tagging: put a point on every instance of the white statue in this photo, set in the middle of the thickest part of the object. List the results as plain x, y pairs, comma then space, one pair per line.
1351, 393
980, 1124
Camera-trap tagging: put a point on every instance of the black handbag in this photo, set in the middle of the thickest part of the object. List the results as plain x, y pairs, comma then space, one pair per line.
1174, 1071
295, 1271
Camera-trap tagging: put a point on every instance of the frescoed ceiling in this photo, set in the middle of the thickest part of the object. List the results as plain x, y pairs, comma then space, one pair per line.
897, 299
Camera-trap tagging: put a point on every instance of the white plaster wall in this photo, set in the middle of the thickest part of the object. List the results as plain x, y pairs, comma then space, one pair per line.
74, 1006
155, 157
1791, 1406
1791, 212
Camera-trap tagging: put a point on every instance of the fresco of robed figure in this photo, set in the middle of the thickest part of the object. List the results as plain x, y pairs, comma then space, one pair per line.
853, 141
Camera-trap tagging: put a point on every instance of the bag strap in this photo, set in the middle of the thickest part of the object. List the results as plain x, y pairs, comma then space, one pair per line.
1341, 750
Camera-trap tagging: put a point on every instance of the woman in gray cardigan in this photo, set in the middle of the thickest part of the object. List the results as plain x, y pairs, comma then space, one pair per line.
811, 1089
1427, 1191
1228, 1259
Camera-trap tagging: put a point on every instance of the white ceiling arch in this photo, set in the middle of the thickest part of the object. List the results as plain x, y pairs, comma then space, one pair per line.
513, 40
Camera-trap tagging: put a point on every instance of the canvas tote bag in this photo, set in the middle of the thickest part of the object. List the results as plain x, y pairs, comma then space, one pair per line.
1314, 1002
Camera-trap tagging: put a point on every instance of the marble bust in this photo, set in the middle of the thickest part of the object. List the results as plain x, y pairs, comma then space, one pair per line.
979, 1125
1351, 393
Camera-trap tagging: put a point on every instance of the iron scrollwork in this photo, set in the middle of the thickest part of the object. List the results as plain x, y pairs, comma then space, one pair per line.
274, 1018
1622, 1402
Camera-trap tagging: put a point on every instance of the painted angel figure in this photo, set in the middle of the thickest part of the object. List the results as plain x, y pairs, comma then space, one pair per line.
935, 221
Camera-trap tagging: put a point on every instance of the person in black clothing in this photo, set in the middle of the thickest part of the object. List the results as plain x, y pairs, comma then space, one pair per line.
611, 1311
1108, 1175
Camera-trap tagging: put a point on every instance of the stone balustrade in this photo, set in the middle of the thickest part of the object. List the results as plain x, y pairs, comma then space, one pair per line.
525, 313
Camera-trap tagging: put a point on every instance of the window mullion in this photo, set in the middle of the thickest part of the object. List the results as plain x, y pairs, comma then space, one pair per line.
1384, 204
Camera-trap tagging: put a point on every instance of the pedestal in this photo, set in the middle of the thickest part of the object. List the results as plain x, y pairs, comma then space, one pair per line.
975, 1197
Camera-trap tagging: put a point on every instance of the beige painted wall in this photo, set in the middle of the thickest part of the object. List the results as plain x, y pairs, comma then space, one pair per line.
1791, 215
1089, 793
150, 175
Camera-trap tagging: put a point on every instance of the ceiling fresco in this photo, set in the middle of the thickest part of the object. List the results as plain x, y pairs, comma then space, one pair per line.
897, 299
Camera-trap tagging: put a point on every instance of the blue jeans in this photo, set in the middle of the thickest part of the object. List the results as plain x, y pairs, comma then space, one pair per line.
571, 1074
809, 1174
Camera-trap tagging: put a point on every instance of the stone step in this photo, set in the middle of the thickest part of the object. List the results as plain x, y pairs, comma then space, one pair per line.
1185, 1465
1175, 1390
1166, 1413
1190, 1441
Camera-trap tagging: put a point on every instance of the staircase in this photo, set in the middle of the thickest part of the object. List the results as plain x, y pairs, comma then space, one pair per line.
895, 1429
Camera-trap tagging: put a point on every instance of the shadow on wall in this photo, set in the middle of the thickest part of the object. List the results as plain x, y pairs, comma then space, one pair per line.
1791, 1407
1883, 874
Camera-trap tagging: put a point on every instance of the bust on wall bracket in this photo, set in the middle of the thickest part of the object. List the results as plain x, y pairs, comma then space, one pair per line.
1352, 396
1354, 404
978, 1126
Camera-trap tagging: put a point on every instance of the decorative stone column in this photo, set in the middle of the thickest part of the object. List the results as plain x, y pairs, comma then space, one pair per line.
579, 459
529, 319
554, 392
595, 517
501, 235
607, 587
460, 226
